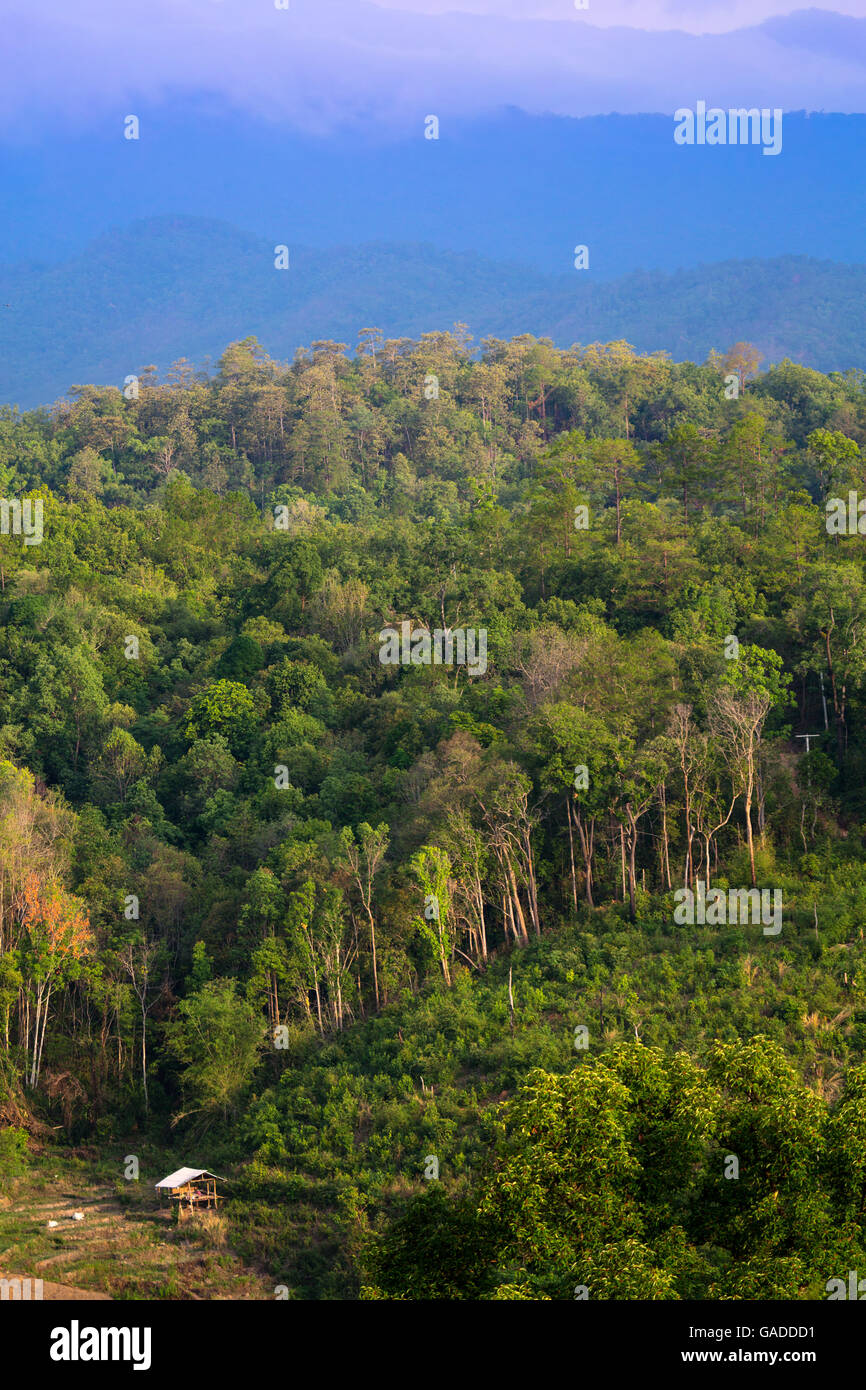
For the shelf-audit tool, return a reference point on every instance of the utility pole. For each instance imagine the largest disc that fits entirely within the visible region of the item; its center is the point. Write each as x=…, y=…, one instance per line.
x=823, y=701
x=807, y=737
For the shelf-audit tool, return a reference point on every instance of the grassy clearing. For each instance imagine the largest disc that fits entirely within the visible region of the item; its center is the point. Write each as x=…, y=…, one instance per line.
x=126, y=1245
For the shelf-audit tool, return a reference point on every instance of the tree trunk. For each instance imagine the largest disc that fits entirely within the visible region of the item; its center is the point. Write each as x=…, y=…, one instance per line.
x=375, y=962
x=571, y=853
x=632, y=850
x=748, y=802
x=586, y=847
x=515, y=896
x=666, y=863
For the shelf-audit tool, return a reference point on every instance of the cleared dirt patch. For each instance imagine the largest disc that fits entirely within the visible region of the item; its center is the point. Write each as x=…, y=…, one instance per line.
x=62, y=1293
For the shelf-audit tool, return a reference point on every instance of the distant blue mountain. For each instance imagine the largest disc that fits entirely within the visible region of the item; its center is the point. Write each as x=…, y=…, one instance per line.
x=165, y=288
x=513, y=187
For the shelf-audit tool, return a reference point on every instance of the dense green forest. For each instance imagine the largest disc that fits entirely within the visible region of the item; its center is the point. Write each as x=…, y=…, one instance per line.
x=397, y=943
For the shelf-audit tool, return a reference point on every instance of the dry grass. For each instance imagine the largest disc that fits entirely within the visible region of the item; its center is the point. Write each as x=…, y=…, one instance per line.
x=123, y=1250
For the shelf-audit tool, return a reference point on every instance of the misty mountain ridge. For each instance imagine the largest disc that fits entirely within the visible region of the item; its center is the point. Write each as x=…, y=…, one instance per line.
x=166, y=288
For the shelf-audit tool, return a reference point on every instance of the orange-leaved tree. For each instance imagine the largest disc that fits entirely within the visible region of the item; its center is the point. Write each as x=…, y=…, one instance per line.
x=57, y=939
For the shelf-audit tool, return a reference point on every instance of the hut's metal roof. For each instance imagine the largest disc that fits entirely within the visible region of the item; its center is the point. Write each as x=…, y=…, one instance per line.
x=185, y=1175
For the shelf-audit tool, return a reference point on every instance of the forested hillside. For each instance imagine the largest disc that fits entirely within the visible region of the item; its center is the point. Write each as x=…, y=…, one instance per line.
x=199, y=282
x=401, y=942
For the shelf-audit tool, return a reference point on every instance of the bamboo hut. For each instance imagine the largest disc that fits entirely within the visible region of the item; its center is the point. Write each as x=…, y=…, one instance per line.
x=192, y=1188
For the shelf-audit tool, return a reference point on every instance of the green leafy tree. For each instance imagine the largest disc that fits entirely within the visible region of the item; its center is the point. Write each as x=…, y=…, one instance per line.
x=226, y=708
x=217, y=1041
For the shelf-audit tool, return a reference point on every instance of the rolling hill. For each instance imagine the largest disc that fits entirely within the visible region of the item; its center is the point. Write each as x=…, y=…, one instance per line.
x=170, y=287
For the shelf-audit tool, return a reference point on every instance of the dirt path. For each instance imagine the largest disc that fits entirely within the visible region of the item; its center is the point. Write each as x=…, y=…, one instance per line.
x=51, y=1293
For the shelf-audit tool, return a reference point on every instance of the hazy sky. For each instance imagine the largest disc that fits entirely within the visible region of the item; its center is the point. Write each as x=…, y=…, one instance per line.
x=695, y=16
x=327, y=64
